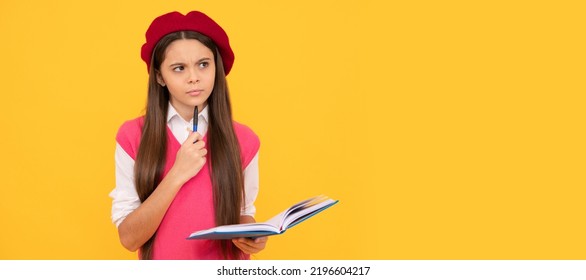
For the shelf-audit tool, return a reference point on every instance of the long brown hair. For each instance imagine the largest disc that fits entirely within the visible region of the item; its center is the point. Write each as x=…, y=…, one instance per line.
x=224, y=151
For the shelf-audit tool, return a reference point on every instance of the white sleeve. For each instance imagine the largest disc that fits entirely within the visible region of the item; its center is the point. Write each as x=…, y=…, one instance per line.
x=250, y=187
x=124, y=197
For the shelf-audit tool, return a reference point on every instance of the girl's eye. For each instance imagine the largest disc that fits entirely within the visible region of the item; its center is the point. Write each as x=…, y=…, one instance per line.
x=204, y=64
x=178, y=68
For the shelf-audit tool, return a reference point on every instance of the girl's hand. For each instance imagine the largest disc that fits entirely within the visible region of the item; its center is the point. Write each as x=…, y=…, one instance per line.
x=190, y=158
x=249, y=245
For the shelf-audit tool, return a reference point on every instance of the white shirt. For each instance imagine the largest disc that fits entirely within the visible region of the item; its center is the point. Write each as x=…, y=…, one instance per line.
x=124, y=196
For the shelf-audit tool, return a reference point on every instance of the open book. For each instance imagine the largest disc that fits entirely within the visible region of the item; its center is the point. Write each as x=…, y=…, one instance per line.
x=276, y=225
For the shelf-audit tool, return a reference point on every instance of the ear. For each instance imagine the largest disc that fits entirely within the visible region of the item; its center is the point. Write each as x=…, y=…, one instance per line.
x=160, y=79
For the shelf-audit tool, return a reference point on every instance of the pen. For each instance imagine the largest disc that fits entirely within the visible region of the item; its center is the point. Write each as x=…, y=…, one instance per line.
x=195, y=120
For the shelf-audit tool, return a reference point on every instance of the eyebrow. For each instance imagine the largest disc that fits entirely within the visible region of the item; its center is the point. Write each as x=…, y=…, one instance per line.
x=181, y=63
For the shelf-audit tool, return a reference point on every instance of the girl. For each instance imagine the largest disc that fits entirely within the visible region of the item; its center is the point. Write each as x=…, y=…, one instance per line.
x=170, y=180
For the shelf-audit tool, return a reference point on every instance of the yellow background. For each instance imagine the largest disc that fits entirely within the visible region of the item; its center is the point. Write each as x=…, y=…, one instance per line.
x=447, y=129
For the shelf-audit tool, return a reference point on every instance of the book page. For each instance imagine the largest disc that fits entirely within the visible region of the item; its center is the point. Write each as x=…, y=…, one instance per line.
x=278, y=220
x=276, y=225
x=237, y=230
x=305, y=212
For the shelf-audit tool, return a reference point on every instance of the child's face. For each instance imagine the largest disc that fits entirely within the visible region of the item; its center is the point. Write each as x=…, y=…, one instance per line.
x=189, y=72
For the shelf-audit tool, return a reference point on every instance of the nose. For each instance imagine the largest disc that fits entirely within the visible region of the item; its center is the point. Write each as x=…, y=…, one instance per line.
x=193, y=76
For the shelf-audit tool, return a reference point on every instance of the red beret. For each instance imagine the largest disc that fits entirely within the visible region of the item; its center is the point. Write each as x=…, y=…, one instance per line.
x=193, y=21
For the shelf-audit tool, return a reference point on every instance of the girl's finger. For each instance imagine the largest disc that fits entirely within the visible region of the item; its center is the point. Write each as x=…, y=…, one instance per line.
x=198, y=145
x=193, y=137
x=261, y=239
x=254, y=245
x=243, y=246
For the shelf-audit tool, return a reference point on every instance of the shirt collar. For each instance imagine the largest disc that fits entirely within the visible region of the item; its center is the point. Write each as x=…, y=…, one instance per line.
x=172, y=113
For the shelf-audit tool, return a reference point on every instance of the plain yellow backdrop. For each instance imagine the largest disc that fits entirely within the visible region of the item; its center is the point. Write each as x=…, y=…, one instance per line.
x=447, y=129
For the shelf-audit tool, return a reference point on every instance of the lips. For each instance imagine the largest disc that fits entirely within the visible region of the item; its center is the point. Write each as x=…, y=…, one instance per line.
x=195, y=92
